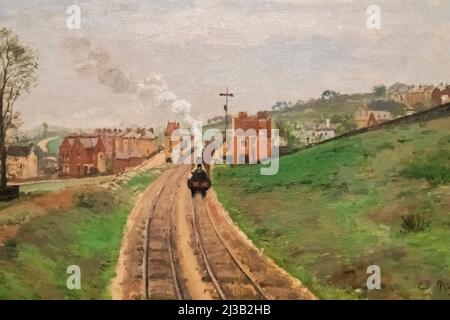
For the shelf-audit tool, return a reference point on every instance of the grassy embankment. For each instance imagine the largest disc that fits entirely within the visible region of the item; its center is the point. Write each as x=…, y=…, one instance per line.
x=53, y=145
x=380, y=198
x=79, y=225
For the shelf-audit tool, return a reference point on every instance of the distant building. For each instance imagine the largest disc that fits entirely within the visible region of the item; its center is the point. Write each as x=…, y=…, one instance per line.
x=413, y=95
x=146, y=142
x=169, y=144
x=441, y=95
x=410, y=111
x=22, y=163
x=65, y=154
x=125, y=160
x=82, y=156
x=106, y=151
x=260, y=121
x=48, y=166
x=312, y=133
x=367, y=118
x=325, y=131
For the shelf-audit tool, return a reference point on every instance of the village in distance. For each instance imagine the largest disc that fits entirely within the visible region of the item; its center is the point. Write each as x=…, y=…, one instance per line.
x=50, y=152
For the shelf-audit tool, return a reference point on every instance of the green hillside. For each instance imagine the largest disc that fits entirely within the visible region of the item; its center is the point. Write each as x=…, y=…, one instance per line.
x=382, y=198
x=53, y=145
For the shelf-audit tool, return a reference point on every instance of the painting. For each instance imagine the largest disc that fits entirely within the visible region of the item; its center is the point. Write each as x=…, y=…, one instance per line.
x=224, y=150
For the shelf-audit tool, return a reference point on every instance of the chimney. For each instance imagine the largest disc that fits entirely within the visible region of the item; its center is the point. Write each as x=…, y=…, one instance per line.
x=328, y=123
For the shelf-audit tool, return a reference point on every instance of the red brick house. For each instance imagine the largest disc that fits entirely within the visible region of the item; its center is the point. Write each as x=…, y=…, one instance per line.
x=86, y=156
x=125, y=160
x=258, y=122
x=65, y=153
x=168, y=143
x=106, y=151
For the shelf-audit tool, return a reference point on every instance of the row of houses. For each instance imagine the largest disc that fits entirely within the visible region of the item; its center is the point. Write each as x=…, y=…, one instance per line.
x=427, y=95
x=106, y=151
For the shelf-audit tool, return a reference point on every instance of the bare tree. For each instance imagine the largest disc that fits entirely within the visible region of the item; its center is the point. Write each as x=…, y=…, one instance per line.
x=17, y=76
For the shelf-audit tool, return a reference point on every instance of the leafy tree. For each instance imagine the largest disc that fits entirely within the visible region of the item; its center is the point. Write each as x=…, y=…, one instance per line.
x=379, y=91
x=18, y=65
x=343, y=123
x=329, y=94
x=392, y=106
x=281, y=105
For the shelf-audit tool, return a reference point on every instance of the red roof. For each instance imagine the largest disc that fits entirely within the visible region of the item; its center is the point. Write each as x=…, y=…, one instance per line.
x=89, y=142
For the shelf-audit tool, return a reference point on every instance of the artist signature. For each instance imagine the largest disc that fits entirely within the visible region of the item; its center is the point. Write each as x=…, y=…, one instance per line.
x=438, y=285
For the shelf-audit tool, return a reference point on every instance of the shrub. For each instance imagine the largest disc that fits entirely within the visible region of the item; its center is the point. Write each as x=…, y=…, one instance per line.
x=386, y=145
x=415, y=223
x=9, y=249
x=435, y=172
x=444, y=140
x=86, y=200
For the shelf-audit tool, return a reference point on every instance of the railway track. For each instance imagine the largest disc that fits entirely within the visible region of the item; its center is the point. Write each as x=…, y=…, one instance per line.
x=182, y=248
x=161, y=272
x=230, y=278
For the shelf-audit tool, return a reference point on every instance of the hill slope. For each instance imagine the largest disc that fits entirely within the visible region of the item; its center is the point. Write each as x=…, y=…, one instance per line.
x=335, y=209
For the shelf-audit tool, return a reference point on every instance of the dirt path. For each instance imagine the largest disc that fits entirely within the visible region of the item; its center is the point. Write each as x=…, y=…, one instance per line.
x=44, y=142
x=190, y=248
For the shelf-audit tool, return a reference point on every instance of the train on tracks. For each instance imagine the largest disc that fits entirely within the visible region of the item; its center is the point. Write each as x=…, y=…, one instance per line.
x=199, y=182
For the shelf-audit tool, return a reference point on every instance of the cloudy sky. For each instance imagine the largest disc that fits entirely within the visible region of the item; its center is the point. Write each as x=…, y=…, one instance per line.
x=145, y=61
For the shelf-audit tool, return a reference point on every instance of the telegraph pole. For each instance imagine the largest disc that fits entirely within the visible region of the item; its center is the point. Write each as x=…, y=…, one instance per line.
x=227, y=94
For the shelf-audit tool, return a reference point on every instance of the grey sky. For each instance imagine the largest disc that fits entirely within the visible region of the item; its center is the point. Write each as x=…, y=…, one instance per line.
x=133, y=59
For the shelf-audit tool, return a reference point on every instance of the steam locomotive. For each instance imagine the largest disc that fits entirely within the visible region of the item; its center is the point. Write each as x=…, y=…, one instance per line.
x=199, y=182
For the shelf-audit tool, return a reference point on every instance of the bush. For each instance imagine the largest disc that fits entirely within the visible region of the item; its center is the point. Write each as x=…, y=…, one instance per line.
x=386, y=146
x=392, y=106
x=415, y=223
x=9, y=249
x=435, y=172
x=444, y=140
x=86, y=200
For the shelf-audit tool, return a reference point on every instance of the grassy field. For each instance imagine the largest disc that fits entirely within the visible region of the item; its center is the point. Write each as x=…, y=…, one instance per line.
x=382, y=198
x=58, y=184
x=53, y=145
x=78, y=225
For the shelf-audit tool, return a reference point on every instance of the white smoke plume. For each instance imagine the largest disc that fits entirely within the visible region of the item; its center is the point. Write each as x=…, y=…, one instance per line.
x=93, y=62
